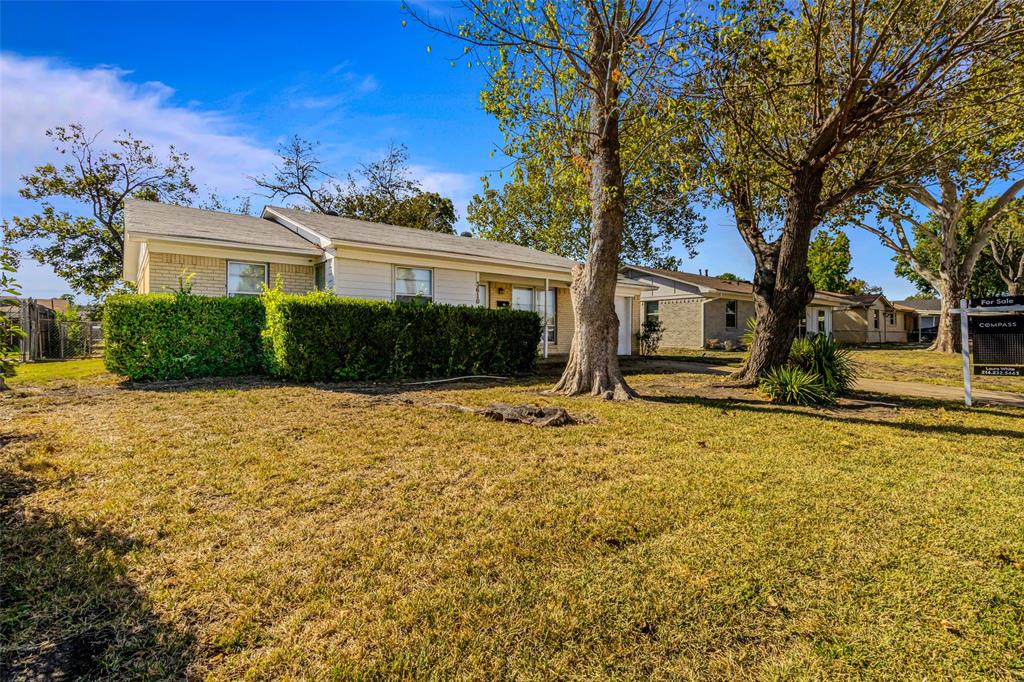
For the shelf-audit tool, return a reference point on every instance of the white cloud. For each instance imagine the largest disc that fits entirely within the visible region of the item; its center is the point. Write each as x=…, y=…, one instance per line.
x=459, y=187
x=40, y=93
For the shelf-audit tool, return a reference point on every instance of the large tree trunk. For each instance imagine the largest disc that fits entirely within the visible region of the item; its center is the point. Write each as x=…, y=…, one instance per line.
x=593, y=365
x=782, y=288
x=951, y=289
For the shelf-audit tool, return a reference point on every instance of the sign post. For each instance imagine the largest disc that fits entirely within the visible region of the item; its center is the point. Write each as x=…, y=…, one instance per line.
x=997, y=332
x=965, y=349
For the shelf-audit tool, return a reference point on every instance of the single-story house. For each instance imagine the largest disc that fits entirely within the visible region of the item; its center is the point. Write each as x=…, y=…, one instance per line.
x=233, y=255
x=698, y=311
x=926, y=311
x=872, y=318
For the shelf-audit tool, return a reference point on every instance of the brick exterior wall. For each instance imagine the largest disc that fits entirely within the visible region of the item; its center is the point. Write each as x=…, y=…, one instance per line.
x=296, y=279
x=714, y=321
x=162, y=271
x=680, y=318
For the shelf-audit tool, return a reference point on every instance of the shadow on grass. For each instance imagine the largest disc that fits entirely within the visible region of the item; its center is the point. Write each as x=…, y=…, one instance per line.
x=838, y=415
x=67, y=611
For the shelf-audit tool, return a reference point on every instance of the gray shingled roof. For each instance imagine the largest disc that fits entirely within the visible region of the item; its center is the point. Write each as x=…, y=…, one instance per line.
x=931, y=304
x=724, y=285
x=167, y=220
x=378, y=234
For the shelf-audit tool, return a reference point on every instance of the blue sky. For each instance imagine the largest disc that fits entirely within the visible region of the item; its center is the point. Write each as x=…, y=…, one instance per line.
x=227, y=82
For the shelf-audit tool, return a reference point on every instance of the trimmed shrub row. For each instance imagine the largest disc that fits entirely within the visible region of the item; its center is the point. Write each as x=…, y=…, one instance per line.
x=321, y=337
x=312, y=337
x=176, y=336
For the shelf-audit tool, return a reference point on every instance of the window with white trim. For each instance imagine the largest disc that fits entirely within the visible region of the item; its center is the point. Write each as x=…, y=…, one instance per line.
x=246, y=279
x=821, y=321
x=414, y=284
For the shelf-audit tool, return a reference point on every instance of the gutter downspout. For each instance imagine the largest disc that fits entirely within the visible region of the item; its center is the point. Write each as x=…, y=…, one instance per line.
x=546, y=288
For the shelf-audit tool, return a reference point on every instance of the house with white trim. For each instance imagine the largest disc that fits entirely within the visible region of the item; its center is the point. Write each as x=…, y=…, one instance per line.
x=236, y=255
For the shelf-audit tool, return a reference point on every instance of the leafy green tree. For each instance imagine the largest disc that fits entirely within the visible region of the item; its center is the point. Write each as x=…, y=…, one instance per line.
x=926, y=253
x=829, y=261
x=87, y=251
x=806, y=107
x=728, y=276
x=9, y=331
x=1006, y=249
x=572, y=84
x=545, y=205
x=381, y=191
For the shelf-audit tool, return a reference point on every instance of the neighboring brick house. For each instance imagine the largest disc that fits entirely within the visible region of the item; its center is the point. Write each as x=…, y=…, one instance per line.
x=229, y=254
x=698, y=311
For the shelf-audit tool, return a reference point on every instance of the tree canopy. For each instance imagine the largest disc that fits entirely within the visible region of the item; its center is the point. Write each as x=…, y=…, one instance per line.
x=87, y=250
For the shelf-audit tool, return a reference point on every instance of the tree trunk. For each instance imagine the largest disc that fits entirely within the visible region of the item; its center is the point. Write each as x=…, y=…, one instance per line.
x=782, y=288
x=593, y=365
x=951, y=290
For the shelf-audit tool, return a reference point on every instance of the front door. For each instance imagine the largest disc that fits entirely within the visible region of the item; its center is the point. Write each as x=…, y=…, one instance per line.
x=622, y=310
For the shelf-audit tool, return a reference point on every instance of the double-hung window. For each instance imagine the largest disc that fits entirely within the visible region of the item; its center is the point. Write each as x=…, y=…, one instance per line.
x=875, y=317
x=652, y=311
x=414, y=284
x=246, y=279
x=730, y=314
x=821, y=321
x=320, y=276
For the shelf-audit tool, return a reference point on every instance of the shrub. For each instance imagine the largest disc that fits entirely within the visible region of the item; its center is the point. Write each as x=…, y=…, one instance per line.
x=177, y=336
x=795, y=386
x=649, y=337
x=821, y=355
x=818, y=370
x=322, y=337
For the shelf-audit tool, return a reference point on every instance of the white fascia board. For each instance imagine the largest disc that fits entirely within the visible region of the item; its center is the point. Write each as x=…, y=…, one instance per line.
x=233, y=251
x=306, y=233
x=311, y=251
x=130, y=262
x=386, y=254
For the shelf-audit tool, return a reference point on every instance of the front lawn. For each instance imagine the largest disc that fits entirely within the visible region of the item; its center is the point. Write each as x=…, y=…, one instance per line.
x=926, y=367
x=266, y=531
x=50, y=371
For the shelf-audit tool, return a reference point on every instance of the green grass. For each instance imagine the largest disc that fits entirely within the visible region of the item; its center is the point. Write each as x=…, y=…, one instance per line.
x=251, y=529
x=42, y=373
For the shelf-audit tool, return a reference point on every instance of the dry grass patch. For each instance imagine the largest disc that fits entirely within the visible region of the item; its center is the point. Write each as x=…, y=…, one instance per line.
x=926, y=367
x=238, y=529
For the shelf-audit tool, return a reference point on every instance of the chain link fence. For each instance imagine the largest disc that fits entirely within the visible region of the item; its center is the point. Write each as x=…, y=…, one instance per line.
x=49, y=336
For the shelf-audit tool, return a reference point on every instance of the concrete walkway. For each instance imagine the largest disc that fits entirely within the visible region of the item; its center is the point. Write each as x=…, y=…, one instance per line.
x=934, y=392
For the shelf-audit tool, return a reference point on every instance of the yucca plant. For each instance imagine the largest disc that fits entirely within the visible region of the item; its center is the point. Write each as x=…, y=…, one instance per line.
x=827, y=358
x=795, y=386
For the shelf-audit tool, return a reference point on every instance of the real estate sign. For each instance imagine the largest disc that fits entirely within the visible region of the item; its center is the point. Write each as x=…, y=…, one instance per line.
x=997, y=344
x=992, y=330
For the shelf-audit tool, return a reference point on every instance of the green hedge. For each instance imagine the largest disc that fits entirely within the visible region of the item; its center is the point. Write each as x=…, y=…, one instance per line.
x=321, y=337
x=177, y=336
x=313, y=337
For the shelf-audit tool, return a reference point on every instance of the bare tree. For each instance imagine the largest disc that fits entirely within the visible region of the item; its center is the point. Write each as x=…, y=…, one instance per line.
x=300, y=174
